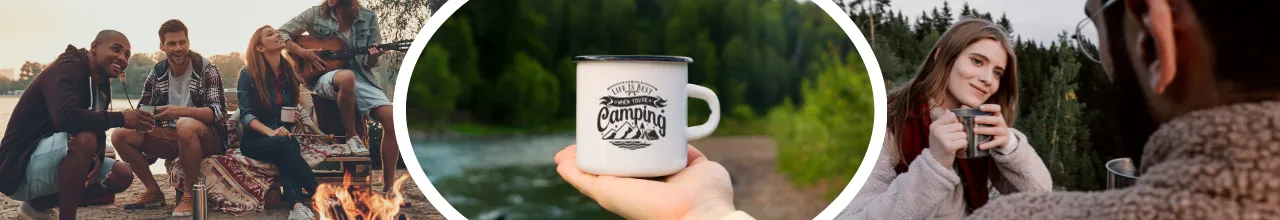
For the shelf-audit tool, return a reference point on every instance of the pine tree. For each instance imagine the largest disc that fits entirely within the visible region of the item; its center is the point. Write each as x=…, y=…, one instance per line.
x=1058, y=128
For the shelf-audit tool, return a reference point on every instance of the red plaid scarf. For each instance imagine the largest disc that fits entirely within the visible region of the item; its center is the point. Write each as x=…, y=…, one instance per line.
x=915, y=139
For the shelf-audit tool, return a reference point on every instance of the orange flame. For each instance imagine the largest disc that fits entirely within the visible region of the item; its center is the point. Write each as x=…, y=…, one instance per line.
x=352, y=202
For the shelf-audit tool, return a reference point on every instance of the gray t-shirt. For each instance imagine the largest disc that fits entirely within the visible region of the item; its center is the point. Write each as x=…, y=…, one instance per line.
x=179, y=87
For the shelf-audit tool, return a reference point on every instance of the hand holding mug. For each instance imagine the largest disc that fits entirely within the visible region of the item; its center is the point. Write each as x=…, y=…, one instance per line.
x=168, y=113
x=138, y=119
x=995, y=126
x=946, y=137
x=700, y=191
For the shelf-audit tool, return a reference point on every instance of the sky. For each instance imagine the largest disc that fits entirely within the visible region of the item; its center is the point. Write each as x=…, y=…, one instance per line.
x=1040, y=20
x=40, y=30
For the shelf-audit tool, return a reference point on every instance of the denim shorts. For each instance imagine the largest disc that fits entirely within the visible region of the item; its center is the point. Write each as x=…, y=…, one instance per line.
x=368, y=96
x=42, y=170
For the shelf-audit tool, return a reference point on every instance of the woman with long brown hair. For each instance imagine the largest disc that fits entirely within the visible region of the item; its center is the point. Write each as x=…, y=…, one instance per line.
x=266, y=84
x=917, y=174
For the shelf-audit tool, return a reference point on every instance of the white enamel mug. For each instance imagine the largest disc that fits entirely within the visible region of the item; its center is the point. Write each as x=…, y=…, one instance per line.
x=632, y=112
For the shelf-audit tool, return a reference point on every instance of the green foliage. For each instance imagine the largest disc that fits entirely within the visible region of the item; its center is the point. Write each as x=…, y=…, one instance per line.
x=444, y=95
x=229, y=66
x=140, y=65
x=1057, y=129
x=532, y=91
x=752, y=53
x=30, y=70
x=827, y=136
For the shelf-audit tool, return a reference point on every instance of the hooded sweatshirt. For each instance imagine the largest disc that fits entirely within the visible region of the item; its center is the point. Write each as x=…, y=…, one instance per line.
x=57, y=100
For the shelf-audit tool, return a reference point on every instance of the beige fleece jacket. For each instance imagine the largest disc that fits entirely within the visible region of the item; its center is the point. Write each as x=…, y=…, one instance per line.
x=928, y=190
x=1219, y=163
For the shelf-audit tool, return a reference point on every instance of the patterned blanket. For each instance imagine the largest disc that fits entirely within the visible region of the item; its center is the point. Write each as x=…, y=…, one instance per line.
x=238, y=184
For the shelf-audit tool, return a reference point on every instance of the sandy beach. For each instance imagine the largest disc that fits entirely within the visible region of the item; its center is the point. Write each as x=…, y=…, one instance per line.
x=9, y=208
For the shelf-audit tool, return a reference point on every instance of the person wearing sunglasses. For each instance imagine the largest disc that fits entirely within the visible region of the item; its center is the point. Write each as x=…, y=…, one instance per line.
x=1206, y=116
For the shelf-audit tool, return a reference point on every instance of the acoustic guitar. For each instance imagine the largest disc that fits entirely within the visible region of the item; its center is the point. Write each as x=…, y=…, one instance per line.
x=334, y=54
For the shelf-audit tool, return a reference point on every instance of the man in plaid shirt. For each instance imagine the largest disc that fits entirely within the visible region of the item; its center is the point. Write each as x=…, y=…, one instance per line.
x=190, y=113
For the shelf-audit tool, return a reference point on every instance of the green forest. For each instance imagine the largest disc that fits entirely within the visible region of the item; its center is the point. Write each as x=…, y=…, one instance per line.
x=780, y=68
x=1063, y=96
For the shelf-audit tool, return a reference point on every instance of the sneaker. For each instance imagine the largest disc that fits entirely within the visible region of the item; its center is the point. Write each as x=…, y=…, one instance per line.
x=148, y=199
x=27, y=212
x=184, y=207
x=301, y=212
x=357, y=147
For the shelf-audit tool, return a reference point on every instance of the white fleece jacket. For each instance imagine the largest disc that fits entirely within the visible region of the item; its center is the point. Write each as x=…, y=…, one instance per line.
x=928, y=190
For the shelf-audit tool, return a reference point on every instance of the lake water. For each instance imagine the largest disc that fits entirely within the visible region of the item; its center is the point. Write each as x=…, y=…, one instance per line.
x=505, y=178
x=8, y=102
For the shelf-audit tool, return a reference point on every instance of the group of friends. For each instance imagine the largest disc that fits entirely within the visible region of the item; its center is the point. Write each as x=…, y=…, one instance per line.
x=53, y=151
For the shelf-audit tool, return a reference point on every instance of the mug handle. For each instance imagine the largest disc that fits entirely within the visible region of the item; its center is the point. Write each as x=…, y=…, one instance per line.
x=701, y=131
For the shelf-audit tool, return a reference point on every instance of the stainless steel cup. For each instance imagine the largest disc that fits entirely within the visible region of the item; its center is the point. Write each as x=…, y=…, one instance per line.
x=148, y=109
x=201, y=209
x=1121, y=173
x=966, y=117
x=288, y=114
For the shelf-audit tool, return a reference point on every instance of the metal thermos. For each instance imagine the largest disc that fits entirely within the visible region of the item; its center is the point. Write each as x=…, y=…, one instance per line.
x=201, y=209
x=966, y=117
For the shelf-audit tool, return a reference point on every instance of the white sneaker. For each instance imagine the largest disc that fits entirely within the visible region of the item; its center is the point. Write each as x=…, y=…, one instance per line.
x=301, y=212
x=357, y=147
x=28, y=212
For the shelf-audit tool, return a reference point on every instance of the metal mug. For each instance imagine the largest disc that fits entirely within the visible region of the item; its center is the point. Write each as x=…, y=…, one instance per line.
x=966, y=117
x=1121, y=173
x=288, y=114
x=149, y=110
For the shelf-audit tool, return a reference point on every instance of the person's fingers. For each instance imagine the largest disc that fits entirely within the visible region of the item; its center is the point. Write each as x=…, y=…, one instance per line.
x=994, y=142
x=954, y=136
x=992, y=108
x=949, y=128
x=568, y=153
x=956, y=144
x=989, y=120
x=993, y=131
x=947, y=118
x=695, y=156
x=580, y=180
x=142, y=113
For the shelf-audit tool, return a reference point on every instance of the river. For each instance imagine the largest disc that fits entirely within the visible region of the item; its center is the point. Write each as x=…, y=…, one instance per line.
x=505, y=178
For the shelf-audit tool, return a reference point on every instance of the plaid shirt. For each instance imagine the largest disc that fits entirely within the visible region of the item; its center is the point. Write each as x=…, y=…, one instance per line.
x=206, y=91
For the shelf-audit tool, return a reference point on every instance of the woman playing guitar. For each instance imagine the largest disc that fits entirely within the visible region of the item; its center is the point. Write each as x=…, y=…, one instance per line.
x=345, y=25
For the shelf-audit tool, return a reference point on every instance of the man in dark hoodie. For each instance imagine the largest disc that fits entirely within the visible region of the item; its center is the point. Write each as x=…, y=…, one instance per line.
x=52, y=153
x=1202, y=73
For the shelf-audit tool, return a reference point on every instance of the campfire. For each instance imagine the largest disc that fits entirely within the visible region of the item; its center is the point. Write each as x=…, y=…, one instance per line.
x=357, y=201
